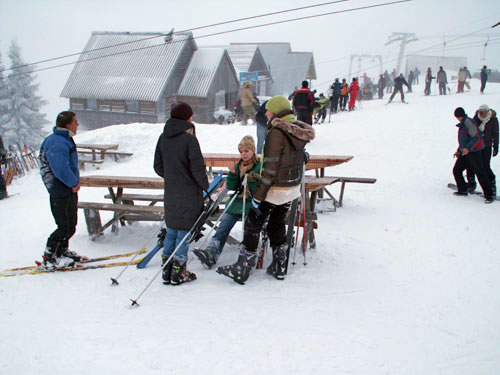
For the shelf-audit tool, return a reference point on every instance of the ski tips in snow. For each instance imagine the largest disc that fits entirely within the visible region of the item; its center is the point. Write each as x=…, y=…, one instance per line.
x=114, y=282
x=134, y=303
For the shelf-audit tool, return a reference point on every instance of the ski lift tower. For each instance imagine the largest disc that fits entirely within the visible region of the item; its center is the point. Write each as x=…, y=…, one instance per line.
x=404, y=38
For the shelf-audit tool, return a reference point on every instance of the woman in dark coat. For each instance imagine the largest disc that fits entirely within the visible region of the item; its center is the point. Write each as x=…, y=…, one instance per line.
x=178, y=159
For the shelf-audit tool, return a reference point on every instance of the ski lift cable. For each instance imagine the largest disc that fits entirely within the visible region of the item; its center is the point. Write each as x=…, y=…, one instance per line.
x=215, y=34
x=179, y=32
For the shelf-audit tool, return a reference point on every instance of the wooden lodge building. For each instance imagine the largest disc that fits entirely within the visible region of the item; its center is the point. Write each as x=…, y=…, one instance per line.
x=124, y=77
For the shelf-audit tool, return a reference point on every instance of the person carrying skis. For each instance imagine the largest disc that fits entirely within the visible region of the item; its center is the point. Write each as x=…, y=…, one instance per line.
x=487, y=121
x=249, y=165
x=353, y=93
x=303, y=102
x=468, y=155
x=344, y=94
x=61, y=176
x=398, y=87
x=3, y=160
x=278, y=185
x=178, y=159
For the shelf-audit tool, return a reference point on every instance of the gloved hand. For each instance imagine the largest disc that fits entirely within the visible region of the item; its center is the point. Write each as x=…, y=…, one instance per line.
x=253, y=177
x=255, y=207
x=495, y=152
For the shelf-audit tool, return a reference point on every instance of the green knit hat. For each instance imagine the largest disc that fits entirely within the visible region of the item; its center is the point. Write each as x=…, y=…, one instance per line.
x=278, y=104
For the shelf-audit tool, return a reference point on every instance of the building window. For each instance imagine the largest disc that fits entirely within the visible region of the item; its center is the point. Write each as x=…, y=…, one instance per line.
x=104, y=105
x=147, y=107
x=118, y=106
x=77, y=104
x=92, y=104
x=132, y=106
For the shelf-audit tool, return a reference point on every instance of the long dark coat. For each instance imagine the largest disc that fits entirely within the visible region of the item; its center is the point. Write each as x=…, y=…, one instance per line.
x=178, y=159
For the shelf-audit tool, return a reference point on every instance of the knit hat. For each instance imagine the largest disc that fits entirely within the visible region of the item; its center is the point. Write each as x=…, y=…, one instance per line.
x=181, y=111
x=459, y=112
x=278, y=104
x=484, y=108
x=247, y=142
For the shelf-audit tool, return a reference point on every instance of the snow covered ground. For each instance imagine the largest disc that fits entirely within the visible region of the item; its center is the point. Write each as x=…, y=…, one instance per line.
x=404, y=280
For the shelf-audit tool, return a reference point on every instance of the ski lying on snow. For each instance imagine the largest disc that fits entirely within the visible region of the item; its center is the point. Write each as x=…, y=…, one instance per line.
x=86, y=260
x=454, y=187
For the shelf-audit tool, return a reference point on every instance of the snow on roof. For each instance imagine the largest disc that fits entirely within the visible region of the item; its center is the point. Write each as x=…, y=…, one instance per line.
x=125, y=66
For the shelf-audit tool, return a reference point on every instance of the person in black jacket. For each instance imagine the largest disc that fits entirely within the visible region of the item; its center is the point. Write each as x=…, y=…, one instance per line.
x=303, y=102
x=261, y=120
x=398, y=87
x=334, y=99
x=178, y=159
x=487, y=121
x=484, y=77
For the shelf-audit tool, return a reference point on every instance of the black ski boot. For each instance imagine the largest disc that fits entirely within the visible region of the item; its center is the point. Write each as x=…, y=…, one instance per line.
x=240, y=271
x=73, y=255
x=206, y=258
x=167, y=270
x=180, y=274
x=277, y=268
x=471, y=186
x=494, y=187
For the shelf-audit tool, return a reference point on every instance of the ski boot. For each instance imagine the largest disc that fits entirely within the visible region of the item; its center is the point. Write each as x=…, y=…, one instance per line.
x=73, y=255
x=180, y=274
x=206, y=258
x=277, y=268
x=52, y=261
x=240, y=271
x=471, y=186
x=167, y=270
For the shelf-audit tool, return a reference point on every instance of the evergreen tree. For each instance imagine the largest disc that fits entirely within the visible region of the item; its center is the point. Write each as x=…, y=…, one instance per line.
x=4, y=94
x=24, y=123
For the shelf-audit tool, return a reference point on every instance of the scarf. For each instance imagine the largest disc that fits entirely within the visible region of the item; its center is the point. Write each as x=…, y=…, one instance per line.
x=484, y=120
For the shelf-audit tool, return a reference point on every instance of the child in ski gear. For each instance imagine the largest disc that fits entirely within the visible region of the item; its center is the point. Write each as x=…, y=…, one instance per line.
x=278, y=185
x=468, y=155
x=321, y=108
x=398, y=87
x=61, y=176
x=178, y=159
x=487, y=121
x=248, y=165
x=303, y=102
x=353, y=93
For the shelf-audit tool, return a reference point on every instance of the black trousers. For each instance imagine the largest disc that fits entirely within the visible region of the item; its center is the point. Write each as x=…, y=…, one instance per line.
x=65, y=212
x=334, y=103
x=396, y=90
x=474, y=161
x=3, y=187
x=442, y=88
x=483, y=85
x=486, y=156
x=305, y=116
x=427, y=90
x=343, y=101
x=275, y=226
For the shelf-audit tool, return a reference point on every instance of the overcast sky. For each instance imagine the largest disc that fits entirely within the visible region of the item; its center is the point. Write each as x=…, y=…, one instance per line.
x=52, y=28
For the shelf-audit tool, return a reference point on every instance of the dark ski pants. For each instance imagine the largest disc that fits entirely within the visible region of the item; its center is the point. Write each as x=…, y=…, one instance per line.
x=442, y=88
x=474, y=161
x=380, y=93
x=65, y=212
x=483, y=85
x=396, y=90
x=305, y=116
x=334, y=103
x=427, y=90
x=343, y=101
x=486, y=156
x=3, y=187
x=275, y=226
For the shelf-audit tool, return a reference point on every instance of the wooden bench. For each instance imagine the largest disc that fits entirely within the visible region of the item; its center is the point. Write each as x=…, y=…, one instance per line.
x=116, y=154
x=127, y=212
x=126, y=198
x=344, y=180
x=82, y=162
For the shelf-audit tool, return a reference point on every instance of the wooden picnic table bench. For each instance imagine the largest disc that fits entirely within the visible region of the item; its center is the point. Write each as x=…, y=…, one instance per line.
x=98, y=152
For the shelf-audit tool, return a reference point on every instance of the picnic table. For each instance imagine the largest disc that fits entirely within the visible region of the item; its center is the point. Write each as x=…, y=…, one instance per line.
x=98, y=153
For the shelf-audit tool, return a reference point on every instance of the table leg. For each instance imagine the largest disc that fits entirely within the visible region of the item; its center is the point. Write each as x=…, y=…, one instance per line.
x=117, y=199
x=310, y=206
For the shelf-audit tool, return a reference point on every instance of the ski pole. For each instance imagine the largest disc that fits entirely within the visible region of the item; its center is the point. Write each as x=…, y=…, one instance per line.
x=134, y=301
x=244, y=199
x=114, y=280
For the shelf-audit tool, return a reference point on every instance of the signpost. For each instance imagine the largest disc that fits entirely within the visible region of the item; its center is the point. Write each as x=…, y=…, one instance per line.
x=249, y=76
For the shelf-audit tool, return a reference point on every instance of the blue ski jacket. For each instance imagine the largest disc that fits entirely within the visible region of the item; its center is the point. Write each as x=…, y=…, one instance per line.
x=468, y=136
x=59, y=163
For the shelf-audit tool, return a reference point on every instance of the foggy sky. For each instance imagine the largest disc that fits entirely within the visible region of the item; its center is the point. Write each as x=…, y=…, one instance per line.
x=52, y=28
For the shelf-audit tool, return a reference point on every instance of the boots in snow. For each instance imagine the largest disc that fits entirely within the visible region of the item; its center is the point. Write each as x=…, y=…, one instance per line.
x=52, y=261
x=240, y=271
x=167, y=270
x=179, y=274
x=206, y=258
x=277, y=267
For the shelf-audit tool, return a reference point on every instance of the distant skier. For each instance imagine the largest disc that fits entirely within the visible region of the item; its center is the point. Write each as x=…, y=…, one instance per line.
x=344, y=94
x=353, y=93
x=303, y=102
x=442, y=81
x=398, y=87
x=411, y=78
x=428, y=82
x=381, y=86
x=334, y=99
x=484, y=77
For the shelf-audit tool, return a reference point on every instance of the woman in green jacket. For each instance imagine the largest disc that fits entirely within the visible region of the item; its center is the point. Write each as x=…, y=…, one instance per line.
x=249, y=165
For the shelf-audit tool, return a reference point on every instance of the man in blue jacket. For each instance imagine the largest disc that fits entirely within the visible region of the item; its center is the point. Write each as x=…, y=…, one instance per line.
x=470, y=143
x=60, y=174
